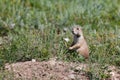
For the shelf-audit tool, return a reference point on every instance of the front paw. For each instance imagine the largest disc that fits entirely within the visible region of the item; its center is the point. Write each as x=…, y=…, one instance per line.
x=70, y=48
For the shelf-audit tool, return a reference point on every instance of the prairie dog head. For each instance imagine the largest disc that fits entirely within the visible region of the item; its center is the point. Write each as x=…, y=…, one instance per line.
x=77, y=31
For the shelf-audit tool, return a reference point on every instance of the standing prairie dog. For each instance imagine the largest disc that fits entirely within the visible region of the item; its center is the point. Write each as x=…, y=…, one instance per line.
x=79, y=43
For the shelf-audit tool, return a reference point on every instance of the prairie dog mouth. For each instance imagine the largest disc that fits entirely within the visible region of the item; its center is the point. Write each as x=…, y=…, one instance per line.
x=78, y=35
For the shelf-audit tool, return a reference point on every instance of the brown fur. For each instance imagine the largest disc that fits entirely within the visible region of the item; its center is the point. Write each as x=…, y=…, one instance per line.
x=79, y=43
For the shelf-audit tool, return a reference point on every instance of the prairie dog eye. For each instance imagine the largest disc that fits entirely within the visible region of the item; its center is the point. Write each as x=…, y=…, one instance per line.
x=77, y=28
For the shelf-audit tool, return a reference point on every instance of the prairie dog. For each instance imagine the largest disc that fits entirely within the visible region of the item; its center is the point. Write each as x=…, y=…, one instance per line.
x=79, y=43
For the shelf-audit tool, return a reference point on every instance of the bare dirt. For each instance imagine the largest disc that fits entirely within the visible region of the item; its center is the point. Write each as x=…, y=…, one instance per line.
x=52, y=70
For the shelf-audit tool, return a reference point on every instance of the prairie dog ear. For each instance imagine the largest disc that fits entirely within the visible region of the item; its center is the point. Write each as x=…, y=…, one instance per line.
x=80, y=27
x=76, y=26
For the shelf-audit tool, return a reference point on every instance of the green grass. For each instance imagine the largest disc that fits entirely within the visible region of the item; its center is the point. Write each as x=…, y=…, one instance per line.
x=38, y=31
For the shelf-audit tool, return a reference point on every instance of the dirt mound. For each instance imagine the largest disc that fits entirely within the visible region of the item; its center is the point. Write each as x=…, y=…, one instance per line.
x=48, y=70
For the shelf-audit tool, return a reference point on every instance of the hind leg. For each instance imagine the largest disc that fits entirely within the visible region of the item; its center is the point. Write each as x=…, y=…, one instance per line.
x=83, y=52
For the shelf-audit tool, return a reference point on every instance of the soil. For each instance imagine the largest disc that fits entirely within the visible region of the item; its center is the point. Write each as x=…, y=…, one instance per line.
x=52, y=70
